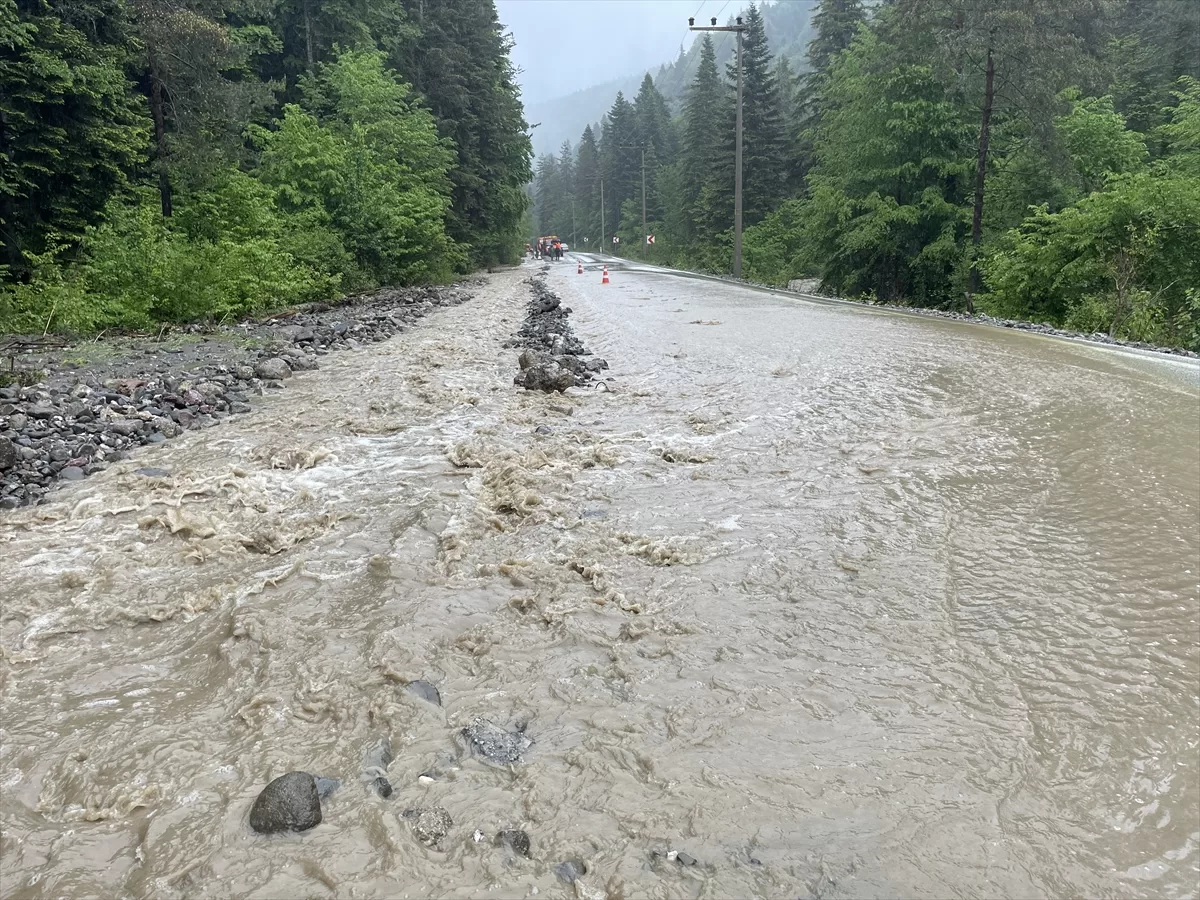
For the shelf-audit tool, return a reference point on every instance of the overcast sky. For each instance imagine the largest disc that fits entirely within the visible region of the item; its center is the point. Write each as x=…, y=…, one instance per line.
x=564, y=45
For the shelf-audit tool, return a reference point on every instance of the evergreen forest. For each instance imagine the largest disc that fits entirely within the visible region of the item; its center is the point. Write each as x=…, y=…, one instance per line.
x=185, y=160
x=1030, y=159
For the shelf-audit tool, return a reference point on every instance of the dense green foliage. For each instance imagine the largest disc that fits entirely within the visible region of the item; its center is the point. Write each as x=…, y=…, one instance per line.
x=164, y=161
x=1030, y=159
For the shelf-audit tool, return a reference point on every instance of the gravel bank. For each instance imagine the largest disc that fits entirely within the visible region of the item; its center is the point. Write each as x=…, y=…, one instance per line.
x=67, y=412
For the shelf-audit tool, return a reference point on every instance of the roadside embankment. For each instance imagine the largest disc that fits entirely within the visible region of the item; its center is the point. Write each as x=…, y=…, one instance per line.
x=67, y=412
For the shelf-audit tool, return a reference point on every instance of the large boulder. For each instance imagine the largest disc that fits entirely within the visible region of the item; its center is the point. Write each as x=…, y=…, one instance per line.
x=274, y=369
x=289, y=803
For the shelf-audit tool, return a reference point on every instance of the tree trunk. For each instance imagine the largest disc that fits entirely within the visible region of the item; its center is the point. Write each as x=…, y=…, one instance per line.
x=980, y=174
x=160, y=138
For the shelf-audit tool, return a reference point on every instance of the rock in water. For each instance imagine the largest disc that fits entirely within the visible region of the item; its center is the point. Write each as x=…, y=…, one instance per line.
x=376, y=759
x=272, y=369
x=425, y=690
x=429, y=823
x=570, y=870
x=495, y=744
x=289, y=803
x=378, y=754
x=515, y=839
x=382, y=786
x=326, y=787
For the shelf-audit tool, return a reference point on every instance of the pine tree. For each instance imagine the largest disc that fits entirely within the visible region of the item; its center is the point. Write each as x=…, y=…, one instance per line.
x=70, y=129
x=835, y=23
x=702, y=126
x=656, y=133
x=763, y=139
x=587, y=187
x=463, y=71
x=620, y=160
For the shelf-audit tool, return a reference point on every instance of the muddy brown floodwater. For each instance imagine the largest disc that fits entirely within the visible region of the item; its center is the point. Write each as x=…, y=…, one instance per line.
x=838, y=603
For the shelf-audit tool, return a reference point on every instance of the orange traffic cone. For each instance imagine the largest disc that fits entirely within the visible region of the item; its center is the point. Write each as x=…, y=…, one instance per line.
x=581, y=267
x=604, y=280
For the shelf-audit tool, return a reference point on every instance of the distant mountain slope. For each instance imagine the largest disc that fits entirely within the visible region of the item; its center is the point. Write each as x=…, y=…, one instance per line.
x=789, y=30
x=564, y=118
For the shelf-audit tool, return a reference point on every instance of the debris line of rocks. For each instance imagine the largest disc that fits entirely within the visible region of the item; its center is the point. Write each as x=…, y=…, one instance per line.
x=553, y=358
x=80, y=416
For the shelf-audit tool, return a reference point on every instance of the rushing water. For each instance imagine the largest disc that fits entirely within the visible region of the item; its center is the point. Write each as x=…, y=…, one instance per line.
x=840, y=603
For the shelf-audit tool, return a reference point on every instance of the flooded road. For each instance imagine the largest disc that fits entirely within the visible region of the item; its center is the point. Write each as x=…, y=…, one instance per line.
x=841, y=603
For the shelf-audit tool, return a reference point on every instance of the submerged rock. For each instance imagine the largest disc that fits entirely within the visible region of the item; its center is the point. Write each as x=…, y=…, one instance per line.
x=376, y=759
x=326, y=787
x=570, y=870
x=289, y=803
x=515, y=839
x=425, y=690
x=496, y=744
x=429, y=823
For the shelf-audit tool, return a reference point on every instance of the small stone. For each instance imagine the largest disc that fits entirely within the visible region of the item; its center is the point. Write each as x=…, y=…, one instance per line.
x=152, y=472
x=570, y=870
x=273, y=369
x=289, y=803
x=125, y=427
x=17, y=421
x=425, y=691
x=515, y=839
x=155, y=437
x=543, y=429
x=42, y=412
x=382, y=786
x=71, y=473
x=429, y=823
x=8, y=453
x=239, y=406
x=495, y=744
x=685, y=858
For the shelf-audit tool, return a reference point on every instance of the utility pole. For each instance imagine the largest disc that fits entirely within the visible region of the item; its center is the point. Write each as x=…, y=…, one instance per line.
x=641, y=147
x=737, y=28
x=574, y=242
x=602, y=215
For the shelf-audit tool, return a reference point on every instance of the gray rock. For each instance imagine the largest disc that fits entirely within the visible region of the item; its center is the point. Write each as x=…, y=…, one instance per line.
x=295, y=333
x=570, y=870
x=245, y=373
x=528, y=359
x=125, y=427
x=71, y=473
x=326, y=787
x=382, y=786
x=239, y=406
x=272, y=369
x=303, y=363
x=8, y=453
x=429, y=823
x=685, y=858
x=289, y=803
x=155, y=437
x=515, y=839
x=42, y=412
x=378, y=755
x=153, y=472
x=17, y=421
x=495, y=744
x=425, y=690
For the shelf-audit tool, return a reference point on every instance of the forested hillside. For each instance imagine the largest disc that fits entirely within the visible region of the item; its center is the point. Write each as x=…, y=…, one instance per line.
x=183, y=159
x=1026, y=158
